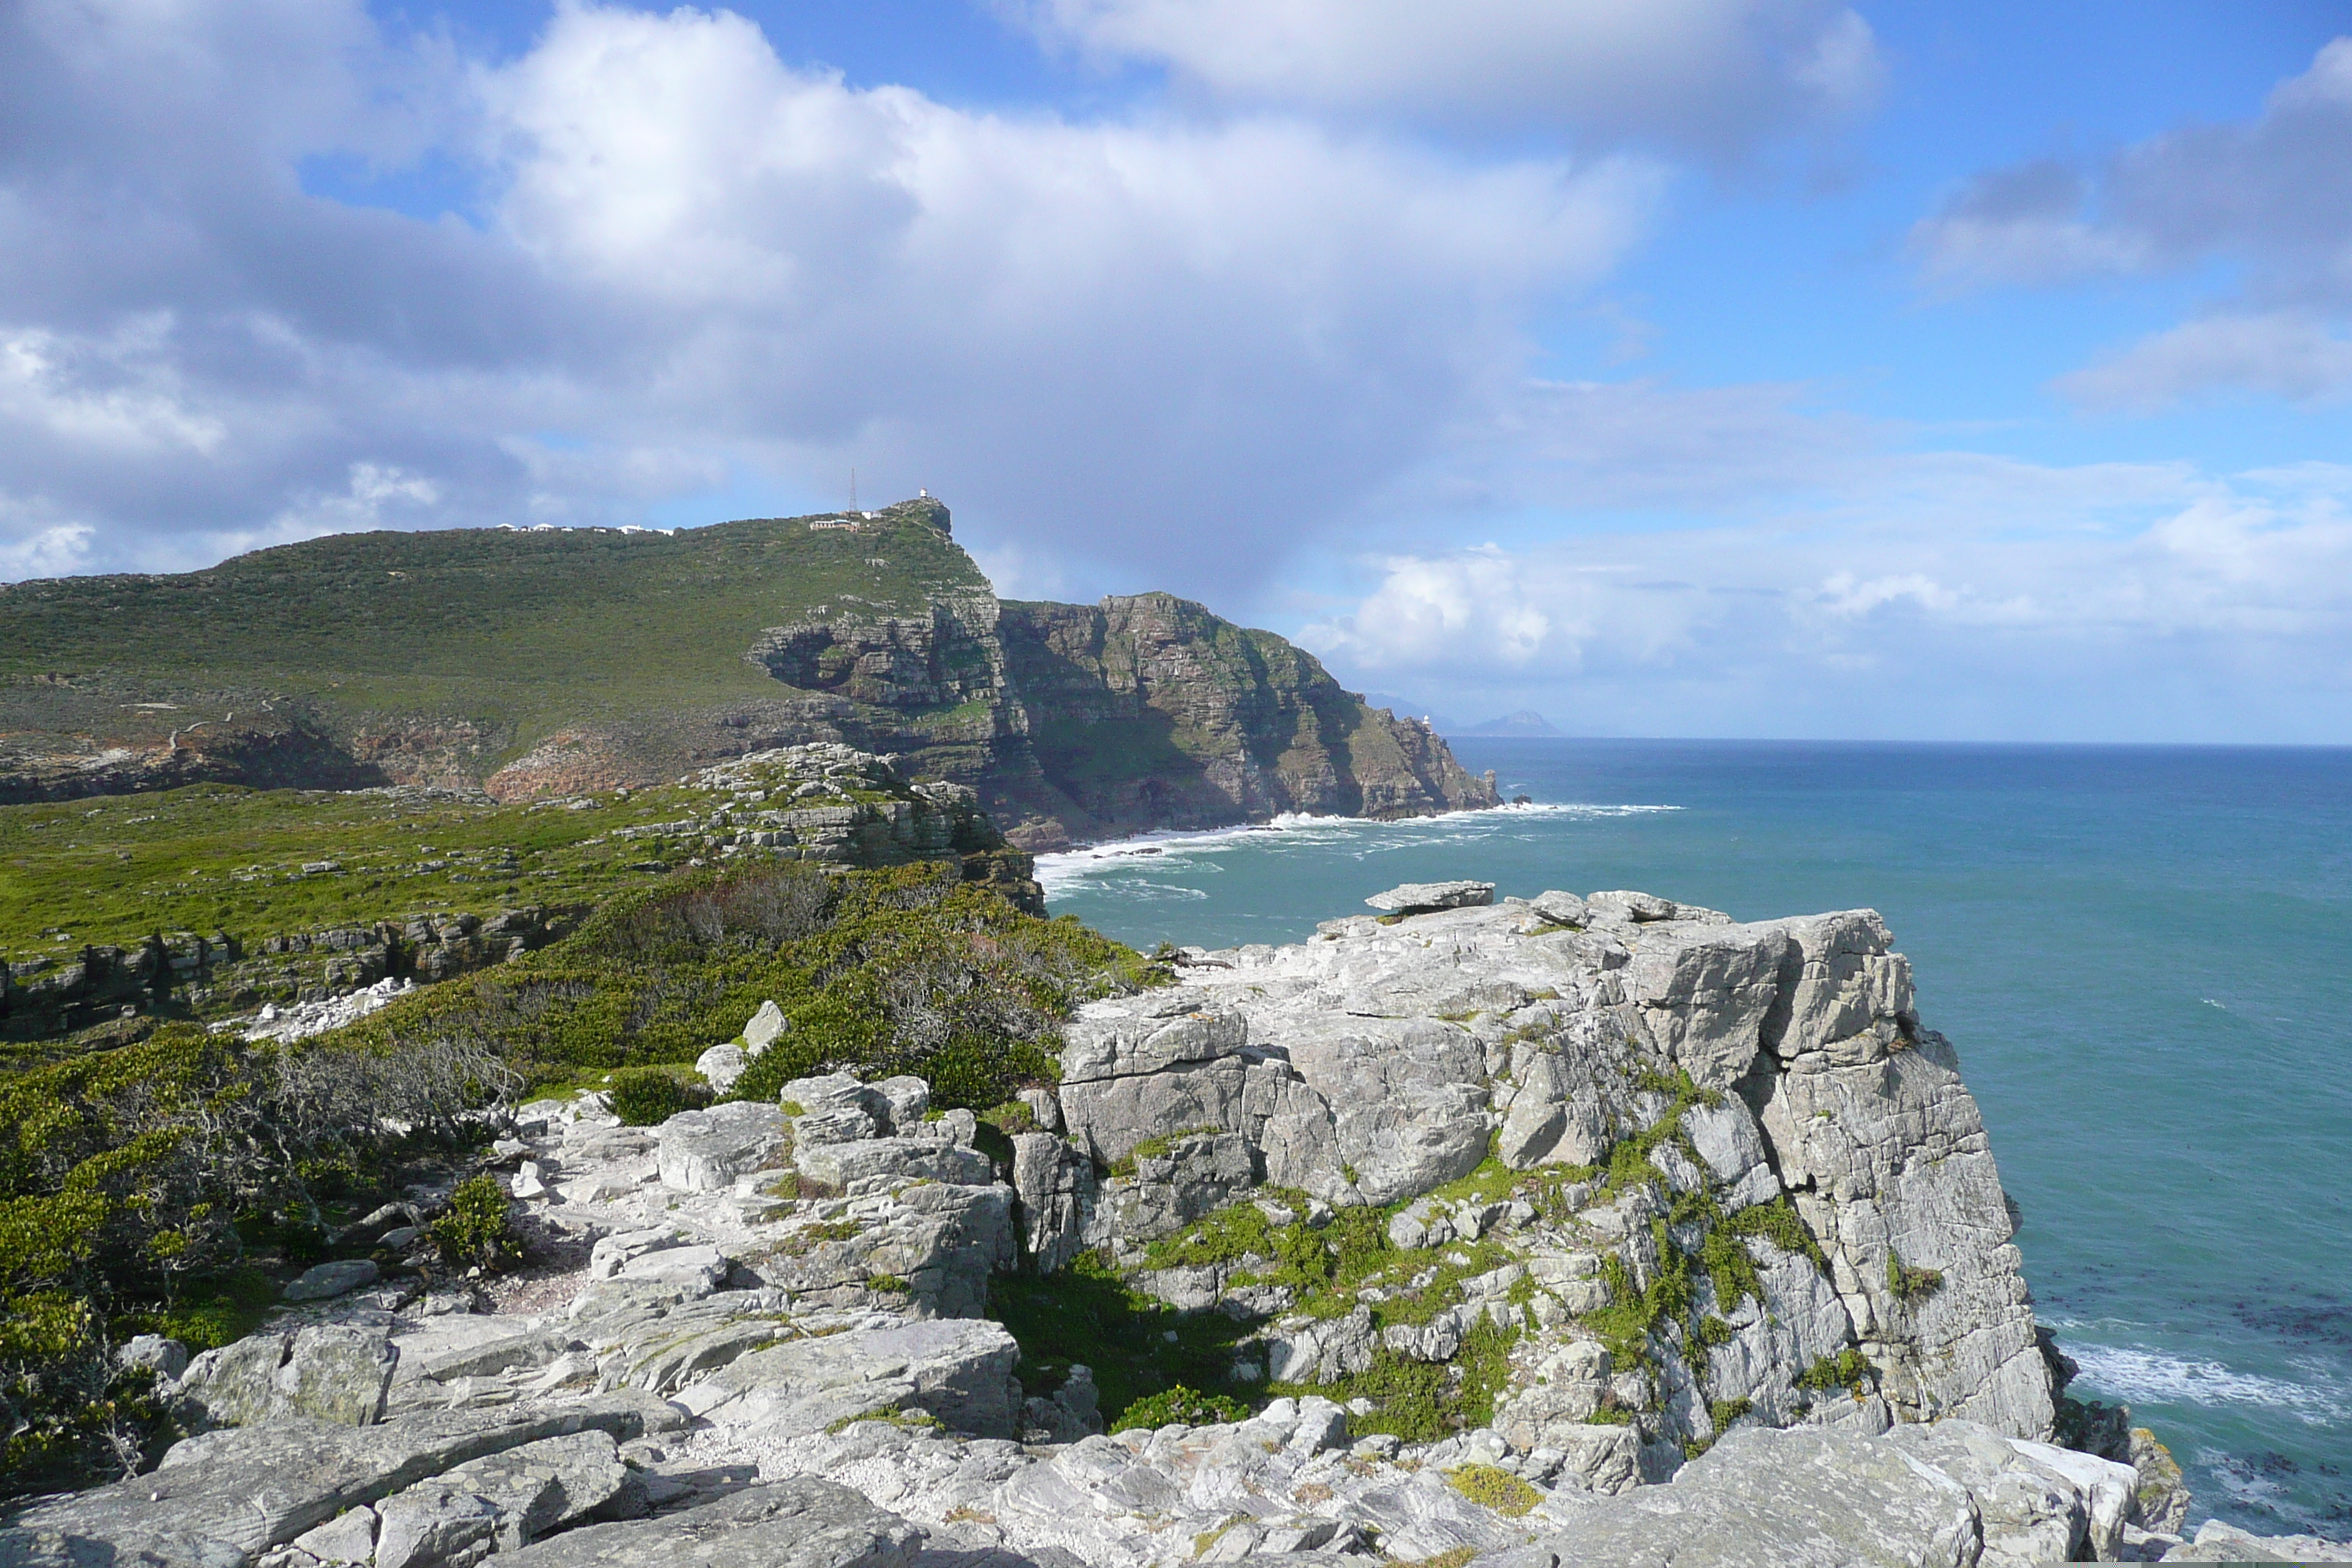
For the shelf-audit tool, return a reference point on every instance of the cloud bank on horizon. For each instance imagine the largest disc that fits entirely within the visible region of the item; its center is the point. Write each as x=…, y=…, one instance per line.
x=1482, y=349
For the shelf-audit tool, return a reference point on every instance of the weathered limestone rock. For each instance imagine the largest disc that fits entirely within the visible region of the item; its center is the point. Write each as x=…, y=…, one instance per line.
x=1055, y=1186
x=721, y=1066
x=1173, y=1185
x=347, y=1538
x=959, y=1372
x=1804, y=1497
x=2218, y=1543
x=1560, y=909
x=1419, y=898
x=501, y=1501
x=869, y=1163
x=166, y=1357
x=705, y=1151
x=327, y=1372
x=218, y=1498
x=328, y=1279
x=764, y=1027
x=793, y=1523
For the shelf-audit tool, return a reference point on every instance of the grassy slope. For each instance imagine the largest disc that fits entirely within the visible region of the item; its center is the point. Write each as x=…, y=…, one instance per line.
x=116, y=868
x=523, y=630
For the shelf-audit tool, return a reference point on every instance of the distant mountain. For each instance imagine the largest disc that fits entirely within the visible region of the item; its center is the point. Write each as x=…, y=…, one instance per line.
x=532, y=664
x=1525, y=723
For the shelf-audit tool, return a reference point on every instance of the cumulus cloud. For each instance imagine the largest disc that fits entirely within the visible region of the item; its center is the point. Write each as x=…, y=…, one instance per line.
x=1713, y=76
x=681, y=260
x=2220, y=608
x=2273, y=194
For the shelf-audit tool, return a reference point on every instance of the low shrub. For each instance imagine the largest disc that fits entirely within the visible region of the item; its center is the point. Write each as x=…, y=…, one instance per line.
x=477, y=1231
x=1179, y=1405
x=647, y=1096
x=1491, y=1486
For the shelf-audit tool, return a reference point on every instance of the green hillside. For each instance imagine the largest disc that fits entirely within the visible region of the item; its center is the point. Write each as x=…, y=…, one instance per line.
x=521, y=630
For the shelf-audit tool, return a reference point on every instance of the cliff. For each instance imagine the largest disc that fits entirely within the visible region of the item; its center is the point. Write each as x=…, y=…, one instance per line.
x=541, y=663
x=1579, y=1230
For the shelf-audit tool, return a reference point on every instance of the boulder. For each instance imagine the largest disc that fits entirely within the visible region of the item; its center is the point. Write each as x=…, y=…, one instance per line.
x=328, y=1279
x=503, y=1501
x=866, y=1163
x=1421, y=897
x=1560, y=909
x=329, y=1373
x=348, y=1538
x=705, y=1151
x=1054, y=1184
x=763, y=1028
x=721, y=1066
x=798, y=1522
x=167, y=1359
x=2218, y=1543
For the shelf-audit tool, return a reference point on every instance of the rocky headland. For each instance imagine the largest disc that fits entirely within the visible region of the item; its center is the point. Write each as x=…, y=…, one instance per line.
x=538, y=664
x=1585, y=1229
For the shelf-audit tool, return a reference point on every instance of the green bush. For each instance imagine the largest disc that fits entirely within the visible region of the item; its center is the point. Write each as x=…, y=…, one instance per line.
x=647, y=1096
x=1908, y=1284
x=909, y=970
x=1179, y=1405
x=477, y=1231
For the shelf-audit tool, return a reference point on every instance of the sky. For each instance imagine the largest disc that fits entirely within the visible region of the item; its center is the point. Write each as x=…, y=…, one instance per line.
x=1679, y=367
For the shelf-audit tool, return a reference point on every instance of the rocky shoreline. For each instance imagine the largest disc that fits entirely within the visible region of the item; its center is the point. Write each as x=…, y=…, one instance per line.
x=1565, y=1231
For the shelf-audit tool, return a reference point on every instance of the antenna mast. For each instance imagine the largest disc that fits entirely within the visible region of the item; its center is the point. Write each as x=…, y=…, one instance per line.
x=853, y=489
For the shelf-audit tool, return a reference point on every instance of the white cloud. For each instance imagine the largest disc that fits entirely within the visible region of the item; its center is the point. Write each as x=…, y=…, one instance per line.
x=1714, y=75
x=2210, y=608
x=2273, y=194
x=51, y=552
x=2285, y=354
x=1131, y=341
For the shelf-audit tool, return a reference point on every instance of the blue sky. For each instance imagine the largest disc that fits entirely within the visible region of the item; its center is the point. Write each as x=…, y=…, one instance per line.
x=1717, y=367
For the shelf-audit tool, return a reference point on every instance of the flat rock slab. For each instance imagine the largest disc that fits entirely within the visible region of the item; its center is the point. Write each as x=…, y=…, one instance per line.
x=705, y=1151
x=331, y=1280
x=1806, y=1497
x=957, y=1370
x=1419, y=898
x=219, y=1498
x=794, y=1523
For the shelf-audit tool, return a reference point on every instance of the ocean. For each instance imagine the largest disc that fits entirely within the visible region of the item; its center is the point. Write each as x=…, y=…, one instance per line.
x=2143, y=956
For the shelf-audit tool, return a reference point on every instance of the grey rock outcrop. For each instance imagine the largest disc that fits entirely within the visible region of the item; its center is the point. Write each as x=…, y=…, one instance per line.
x=705, y=1151
x=326, y=1373
x=1383, y=1060
x=1420, y=898
x=794, y=1523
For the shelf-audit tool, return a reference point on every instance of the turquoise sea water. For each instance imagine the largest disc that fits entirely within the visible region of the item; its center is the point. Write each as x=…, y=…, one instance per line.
x=2144, y=956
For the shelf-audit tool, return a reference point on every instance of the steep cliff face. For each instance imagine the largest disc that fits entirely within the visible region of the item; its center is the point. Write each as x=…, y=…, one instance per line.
x=532, y=664
x=1148, y=711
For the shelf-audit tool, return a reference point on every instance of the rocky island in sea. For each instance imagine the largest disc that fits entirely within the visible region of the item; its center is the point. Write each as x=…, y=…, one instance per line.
x=1582, y=1230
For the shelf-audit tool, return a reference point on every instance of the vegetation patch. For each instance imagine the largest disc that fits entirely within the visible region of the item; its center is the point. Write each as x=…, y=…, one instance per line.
x=477, y=1231
x=1137, y=1345
x=1179, y=1405
x=1849, y=1370
x=1910, y=1285
x=1491, y=1486
x=906, y=970
x=647, y=1096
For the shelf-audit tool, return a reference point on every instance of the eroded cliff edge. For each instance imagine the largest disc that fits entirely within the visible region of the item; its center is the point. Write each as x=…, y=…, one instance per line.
x=1566, y=1231
x=534, y=664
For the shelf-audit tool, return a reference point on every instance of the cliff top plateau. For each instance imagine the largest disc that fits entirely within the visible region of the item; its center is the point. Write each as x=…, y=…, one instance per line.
x=531, y=663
